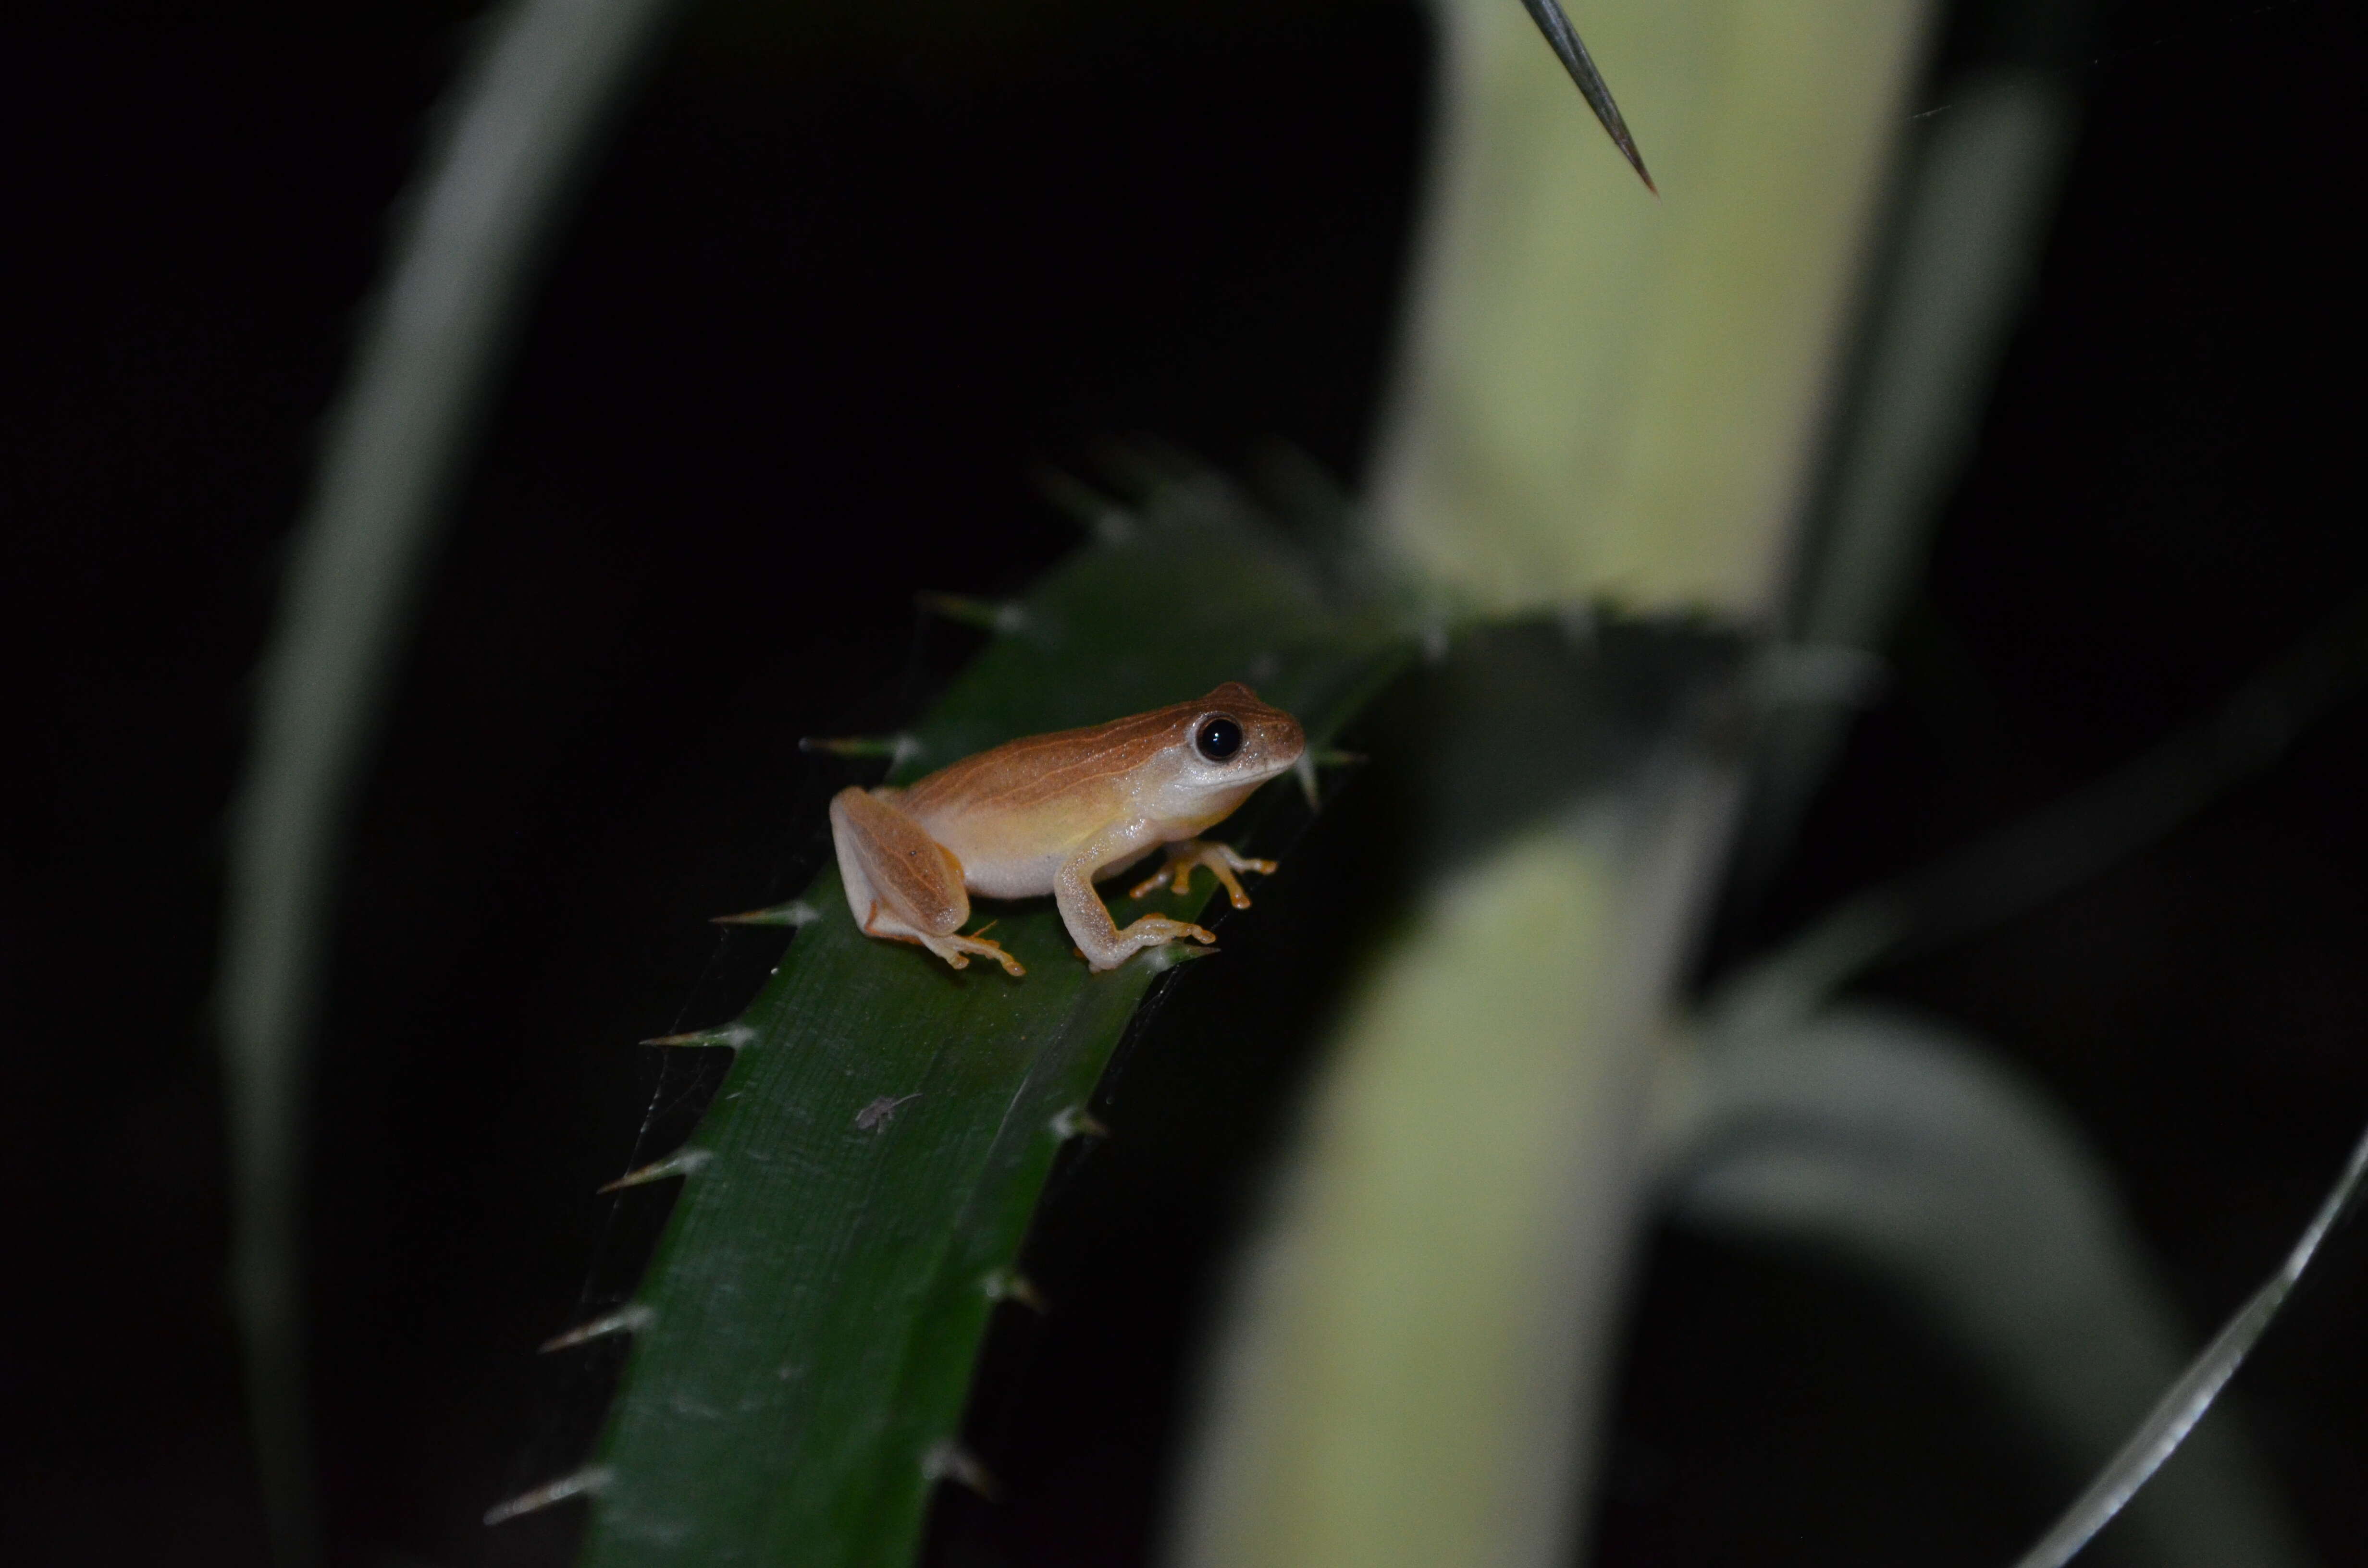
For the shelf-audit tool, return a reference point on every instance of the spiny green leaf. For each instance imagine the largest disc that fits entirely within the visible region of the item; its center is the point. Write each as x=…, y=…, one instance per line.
x=805, y=1337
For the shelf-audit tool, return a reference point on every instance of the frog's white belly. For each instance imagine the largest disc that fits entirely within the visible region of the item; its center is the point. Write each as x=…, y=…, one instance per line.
x=990, y=868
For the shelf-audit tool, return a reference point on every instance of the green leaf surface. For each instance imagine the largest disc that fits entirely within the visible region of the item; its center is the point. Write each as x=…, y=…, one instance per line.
x=864, y=1179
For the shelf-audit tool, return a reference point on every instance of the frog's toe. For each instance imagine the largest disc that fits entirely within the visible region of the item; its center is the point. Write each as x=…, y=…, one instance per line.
x=1156, y=929
x=1221, y=860
x=987, y=950
x=957, y=951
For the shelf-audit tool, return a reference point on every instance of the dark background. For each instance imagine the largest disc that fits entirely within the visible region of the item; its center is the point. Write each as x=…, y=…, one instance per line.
x=830, y=297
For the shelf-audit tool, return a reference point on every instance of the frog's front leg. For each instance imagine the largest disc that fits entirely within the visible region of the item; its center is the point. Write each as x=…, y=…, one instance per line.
x=1088, y=919
x=1221, y=859
x=901, y=883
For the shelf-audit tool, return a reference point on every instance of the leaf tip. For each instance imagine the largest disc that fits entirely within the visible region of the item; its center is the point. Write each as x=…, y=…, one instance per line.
x=1568, y=48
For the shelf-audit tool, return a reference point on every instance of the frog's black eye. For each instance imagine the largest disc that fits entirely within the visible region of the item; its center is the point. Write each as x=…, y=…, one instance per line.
x=1219, y=739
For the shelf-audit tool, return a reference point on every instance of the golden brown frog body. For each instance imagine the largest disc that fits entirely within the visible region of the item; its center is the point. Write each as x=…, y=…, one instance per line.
x=1056, y=814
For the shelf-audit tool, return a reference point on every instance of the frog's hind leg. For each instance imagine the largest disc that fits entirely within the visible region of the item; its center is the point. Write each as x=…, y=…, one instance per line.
x=1221, y=859
x=901, y=883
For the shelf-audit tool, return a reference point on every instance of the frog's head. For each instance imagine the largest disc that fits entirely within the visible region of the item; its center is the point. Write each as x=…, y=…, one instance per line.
x=1224, y=746
x=1237, y=739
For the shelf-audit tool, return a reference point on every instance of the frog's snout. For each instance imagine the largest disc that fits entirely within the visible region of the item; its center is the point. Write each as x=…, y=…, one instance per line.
x=1280, y=740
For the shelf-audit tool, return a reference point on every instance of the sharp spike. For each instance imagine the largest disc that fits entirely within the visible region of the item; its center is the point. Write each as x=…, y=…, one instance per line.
x=1550, y=21
x=1010, y=1285
x=682, y=1162
x=625, y=1319
x=1074, y=1121
x=952, y=1461
x=1167, y=956
x=584, y=1483
x=797, y=912
x=734, y=1035
x=1111, y=522
x=1001, y=616
x=898, y=749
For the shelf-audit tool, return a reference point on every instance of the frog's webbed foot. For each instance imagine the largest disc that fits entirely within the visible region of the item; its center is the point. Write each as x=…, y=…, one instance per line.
x=1088, y=918
x=951, y=949
x=1220, y=859
x=1150, y=931
x=955, y=951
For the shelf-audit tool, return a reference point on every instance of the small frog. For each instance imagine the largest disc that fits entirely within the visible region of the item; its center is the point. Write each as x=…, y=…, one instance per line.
x=1057, y=813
